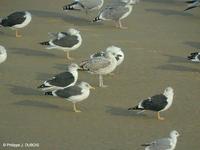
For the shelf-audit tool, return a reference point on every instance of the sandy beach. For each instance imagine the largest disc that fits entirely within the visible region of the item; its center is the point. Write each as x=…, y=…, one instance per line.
x=156, y=44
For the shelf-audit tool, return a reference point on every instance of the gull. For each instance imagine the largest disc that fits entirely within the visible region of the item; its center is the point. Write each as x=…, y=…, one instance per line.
x=3, y=54
x=116, y=12
x=102, y=65
x=157, y=103
x=16, y=20
x=62, y=80
x=194, y=57
x=73, y=94
x=87, y=5
x=192, y=4
x=66, y=41
x=168, y=143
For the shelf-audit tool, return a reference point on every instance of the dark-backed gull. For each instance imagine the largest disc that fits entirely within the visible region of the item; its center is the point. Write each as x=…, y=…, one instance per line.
x=66, y=41
x=157, y=103
x=102, y=65
x=194, y=57
x=168, y=143
x=73, y=94
x=3, y=54
x=16, y=20
x=62, y=80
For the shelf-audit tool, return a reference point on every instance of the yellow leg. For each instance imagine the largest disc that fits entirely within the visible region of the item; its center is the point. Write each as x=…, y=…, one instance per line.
x=74, y=107
x=67, y=56
x=17, y=34
x=160, y=118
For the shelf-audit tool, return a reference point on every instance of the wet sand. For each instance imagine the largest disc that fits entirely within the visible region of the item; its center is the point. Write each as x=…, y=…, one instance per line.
x=158, y=39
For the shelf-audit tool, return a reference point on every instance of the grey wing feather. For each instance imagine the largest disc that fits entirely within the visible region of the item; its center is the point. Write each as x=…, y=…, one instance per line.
x=96, y=63
x=66, y=41
x=68, y=92
x=90, y=4
x=114, y=13
x=160, y=144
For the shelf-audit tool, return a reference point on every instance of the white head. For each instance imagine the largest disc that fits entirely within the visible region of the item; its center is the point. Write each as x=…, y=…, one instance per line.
x=130, y=2
x=85, y=85
x=73, y=66
x=2, y=49
x=73, y=31
x=117, y=53
x=169, y=92
x=174, y=134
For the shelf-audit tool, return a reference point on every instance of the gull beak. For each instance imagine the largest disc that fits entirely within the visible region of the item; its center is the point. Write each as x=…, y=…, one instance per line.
x=92, y=88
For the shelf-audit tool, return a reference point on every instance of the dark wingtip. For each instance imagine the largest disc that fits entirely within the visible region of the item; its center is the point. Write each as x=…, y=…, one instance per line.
x=48, y=93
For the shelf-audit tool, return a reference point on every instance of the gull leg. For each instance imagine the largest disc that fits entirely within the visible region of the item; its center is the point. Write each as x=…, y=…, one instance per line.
x=120, y=25
x=67, y=56
x=101, y=81
x=74, y=107
x=160, y=118
x=17, y=34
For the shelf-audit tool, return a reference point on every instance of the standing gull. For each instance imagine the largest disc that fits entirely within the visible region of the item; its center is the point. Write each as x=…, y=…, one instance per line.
x=3, y=54
x=116, y=51
x=164, y=143
x=157, y=103
x=16, y=21
x=194, y=57
x=101, y=65
x=192, y=4
x=87, y=5
x=66, y=41
x=62, y=80
x=73, y=94
x=116, y=12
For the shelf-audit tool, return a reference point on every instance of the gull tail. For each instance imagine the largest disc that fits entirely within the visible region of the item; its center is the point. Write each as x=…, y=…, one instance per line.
x=72, y=6
x=42, y=86
x=45, y=43
x=49, y=93
x=190, y=8
x=192, y=55
x=97, y=19
x=82, y=66
x=135, y=108
x=147, y=144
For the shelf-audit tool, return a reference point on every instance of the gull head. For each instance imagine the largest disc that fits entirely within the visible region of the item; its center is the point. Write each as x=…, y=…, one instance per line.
x=73, y=66
x=86, y=85
x=174, y=134
x=169, y=92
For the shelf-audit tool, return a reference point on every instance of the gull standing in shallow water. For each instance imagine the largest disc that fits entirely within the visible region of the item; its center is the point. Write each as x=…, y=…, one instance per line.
x=116, y=11
x=62, y=80
x=16, y=20
x=3, y=54
x=101, y=65
x=73, y=94
x=164, y=143
x=87, y=5
x=157, y=103
x=66, y=41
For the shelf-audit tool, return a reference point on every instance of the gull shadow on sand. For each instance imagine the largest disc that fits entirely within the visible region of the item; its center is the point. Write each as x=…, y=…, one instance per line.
x=63, y=16
x=119, y=111
x=179, y=68
x=176, y=59
x=168, y=12
x=32, y=103
x=21, y=90
x=43, y=76
x=193, y=44
x=31, y=52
